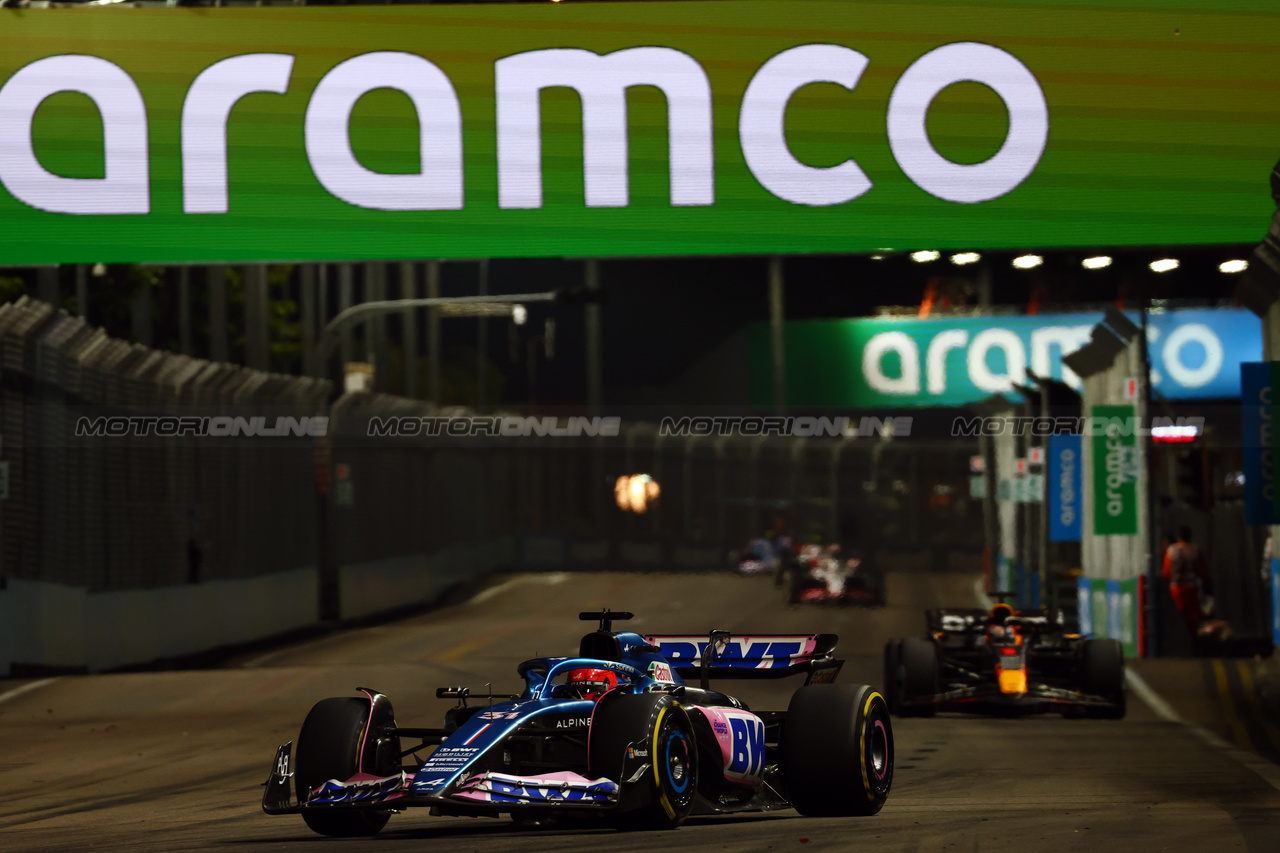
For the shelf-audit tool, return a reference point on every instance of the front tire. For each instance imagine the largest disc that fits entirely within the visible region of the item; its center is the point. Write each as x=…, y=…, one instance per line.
x=1102, y=674
x=663, y=797
x=339, y=738
x=837, y=750
x=920, y=677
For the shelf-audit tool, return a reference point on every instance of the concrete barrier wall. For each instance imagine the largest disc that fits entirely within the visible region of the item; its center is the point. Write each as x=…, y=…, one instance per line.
x=57, y=626
x=41, y=623
x=381, y=585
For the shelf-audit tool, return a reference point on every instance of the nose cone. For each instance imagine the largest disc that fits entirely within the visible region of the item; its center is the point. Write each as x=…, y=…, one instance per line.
x=1012, y=680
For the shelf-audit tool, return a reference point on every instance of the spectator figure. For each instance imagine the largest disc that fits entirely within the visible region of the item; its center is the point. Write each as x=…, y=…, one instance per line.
x=1267, y=553
x=1188, y=576
x=780, y=537
x=195, y=557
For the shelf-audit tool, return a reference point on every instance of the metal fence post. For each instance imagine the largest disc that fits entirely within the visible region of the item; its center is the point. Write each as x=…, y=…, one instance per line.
x=434, y=349
x=257, y=348
x=346, y=295
x=409, y=324
x=216, y=282
x=184, y=308
x=307, y=296
x=595, y=353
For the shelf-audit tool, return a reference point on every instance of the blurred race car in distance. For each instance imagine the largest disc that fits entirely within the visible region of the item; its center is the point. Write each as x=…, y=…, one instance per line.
x=819, y=575
x=763, y=556
x=614, y=734
x=1003, y=660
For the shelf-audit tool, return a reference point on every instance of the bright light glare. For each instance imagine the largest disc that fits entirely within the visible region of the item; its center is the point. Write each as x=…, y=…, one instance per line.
x=877, y=257
x=1098, y=263
x=1233, y=266
x=634, y=493
x=925, y=256
x=1164, y=265
x=962, y=258
x=1174, y=434
x=1027, y=262
x=519, y=314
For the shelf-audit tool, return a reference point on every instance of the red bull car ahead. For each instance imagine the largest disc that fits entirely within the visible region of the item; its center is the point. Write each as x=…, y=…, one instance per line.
x=1003, y=660
x=615, y=733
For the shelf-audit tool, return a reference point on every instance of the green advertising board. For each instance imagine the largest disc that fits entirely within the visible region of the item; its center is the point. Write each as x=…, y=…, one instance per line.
x=1115, y=470
x=632, y=129
x=953, y=360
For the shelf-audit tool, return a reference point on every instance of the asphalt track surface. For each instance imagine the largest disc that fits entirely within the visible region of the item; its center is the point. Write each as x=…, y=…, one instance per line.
x=163, y=761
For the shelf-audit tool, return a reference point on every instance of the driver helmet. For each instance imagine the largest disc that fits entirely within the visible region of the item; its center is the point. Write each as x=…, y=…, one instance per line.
x=591, y=683
x=1000, y=614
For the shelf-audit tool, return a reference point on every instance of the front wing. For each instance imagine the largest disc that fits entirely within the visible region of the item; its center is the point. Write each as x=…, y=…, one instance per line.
x=981, y=697
x=475, y=793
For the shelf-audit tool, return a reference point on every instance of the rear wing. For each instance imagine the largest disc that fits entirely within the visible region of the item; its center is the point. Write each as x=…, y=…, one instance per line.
x=956, y=620
x=974, y=621
x=750, y=656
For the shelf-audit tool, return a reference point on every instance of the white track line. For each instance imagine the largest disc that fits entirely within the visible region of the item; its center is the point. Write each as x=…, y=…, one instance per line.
x=486, y=594
x=1154, y=700
x=26, y=688
x=483, y=595
x=1270, y=773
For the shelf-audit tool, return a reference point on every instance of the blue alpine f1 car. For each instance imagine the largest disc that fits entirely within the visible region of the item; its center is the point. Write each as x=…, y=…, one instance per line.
x=615, y=731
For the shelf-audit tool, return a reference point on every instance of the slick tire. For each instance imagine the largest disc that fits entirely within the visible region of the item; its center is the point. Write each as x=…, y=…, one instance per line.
x=837, y=750
x=330, y=747
x=919, y=673
x=663, y=797
x=1102, y=674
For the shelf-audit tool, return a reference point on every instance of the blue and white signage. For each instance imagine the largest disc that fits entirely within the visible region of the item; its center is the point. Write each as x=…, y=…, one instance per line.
x=1065, y=484
x=1194, y=351
x=1275, y=601
x=1258, y=443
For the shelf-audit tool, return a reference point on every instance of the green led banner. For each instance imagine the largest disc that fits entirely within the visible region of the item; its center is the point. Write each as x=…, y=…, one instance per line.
x=1115, y=471
x=615, y=129
x=894, y=362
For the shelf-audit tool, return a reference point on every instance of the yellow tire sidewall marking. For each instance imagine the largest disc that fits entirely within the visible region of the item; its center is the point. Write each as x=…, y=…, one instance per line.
x=657, y=778
x=862, y=744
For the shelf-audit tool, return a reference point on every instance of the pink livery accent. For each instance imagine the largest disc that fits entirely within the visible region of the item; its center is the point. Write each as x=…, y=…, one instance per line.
x=741, y=738
x=562, y=787
x=362, y=787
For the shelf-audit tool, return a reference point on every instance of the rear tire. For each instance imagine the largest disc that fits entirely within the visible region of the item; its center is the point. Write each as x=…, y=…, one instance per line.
x=329, y=747
x=1102, y=674
x=920, y=676
x=837, y=750
x=892, y=685
x=664, y=796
